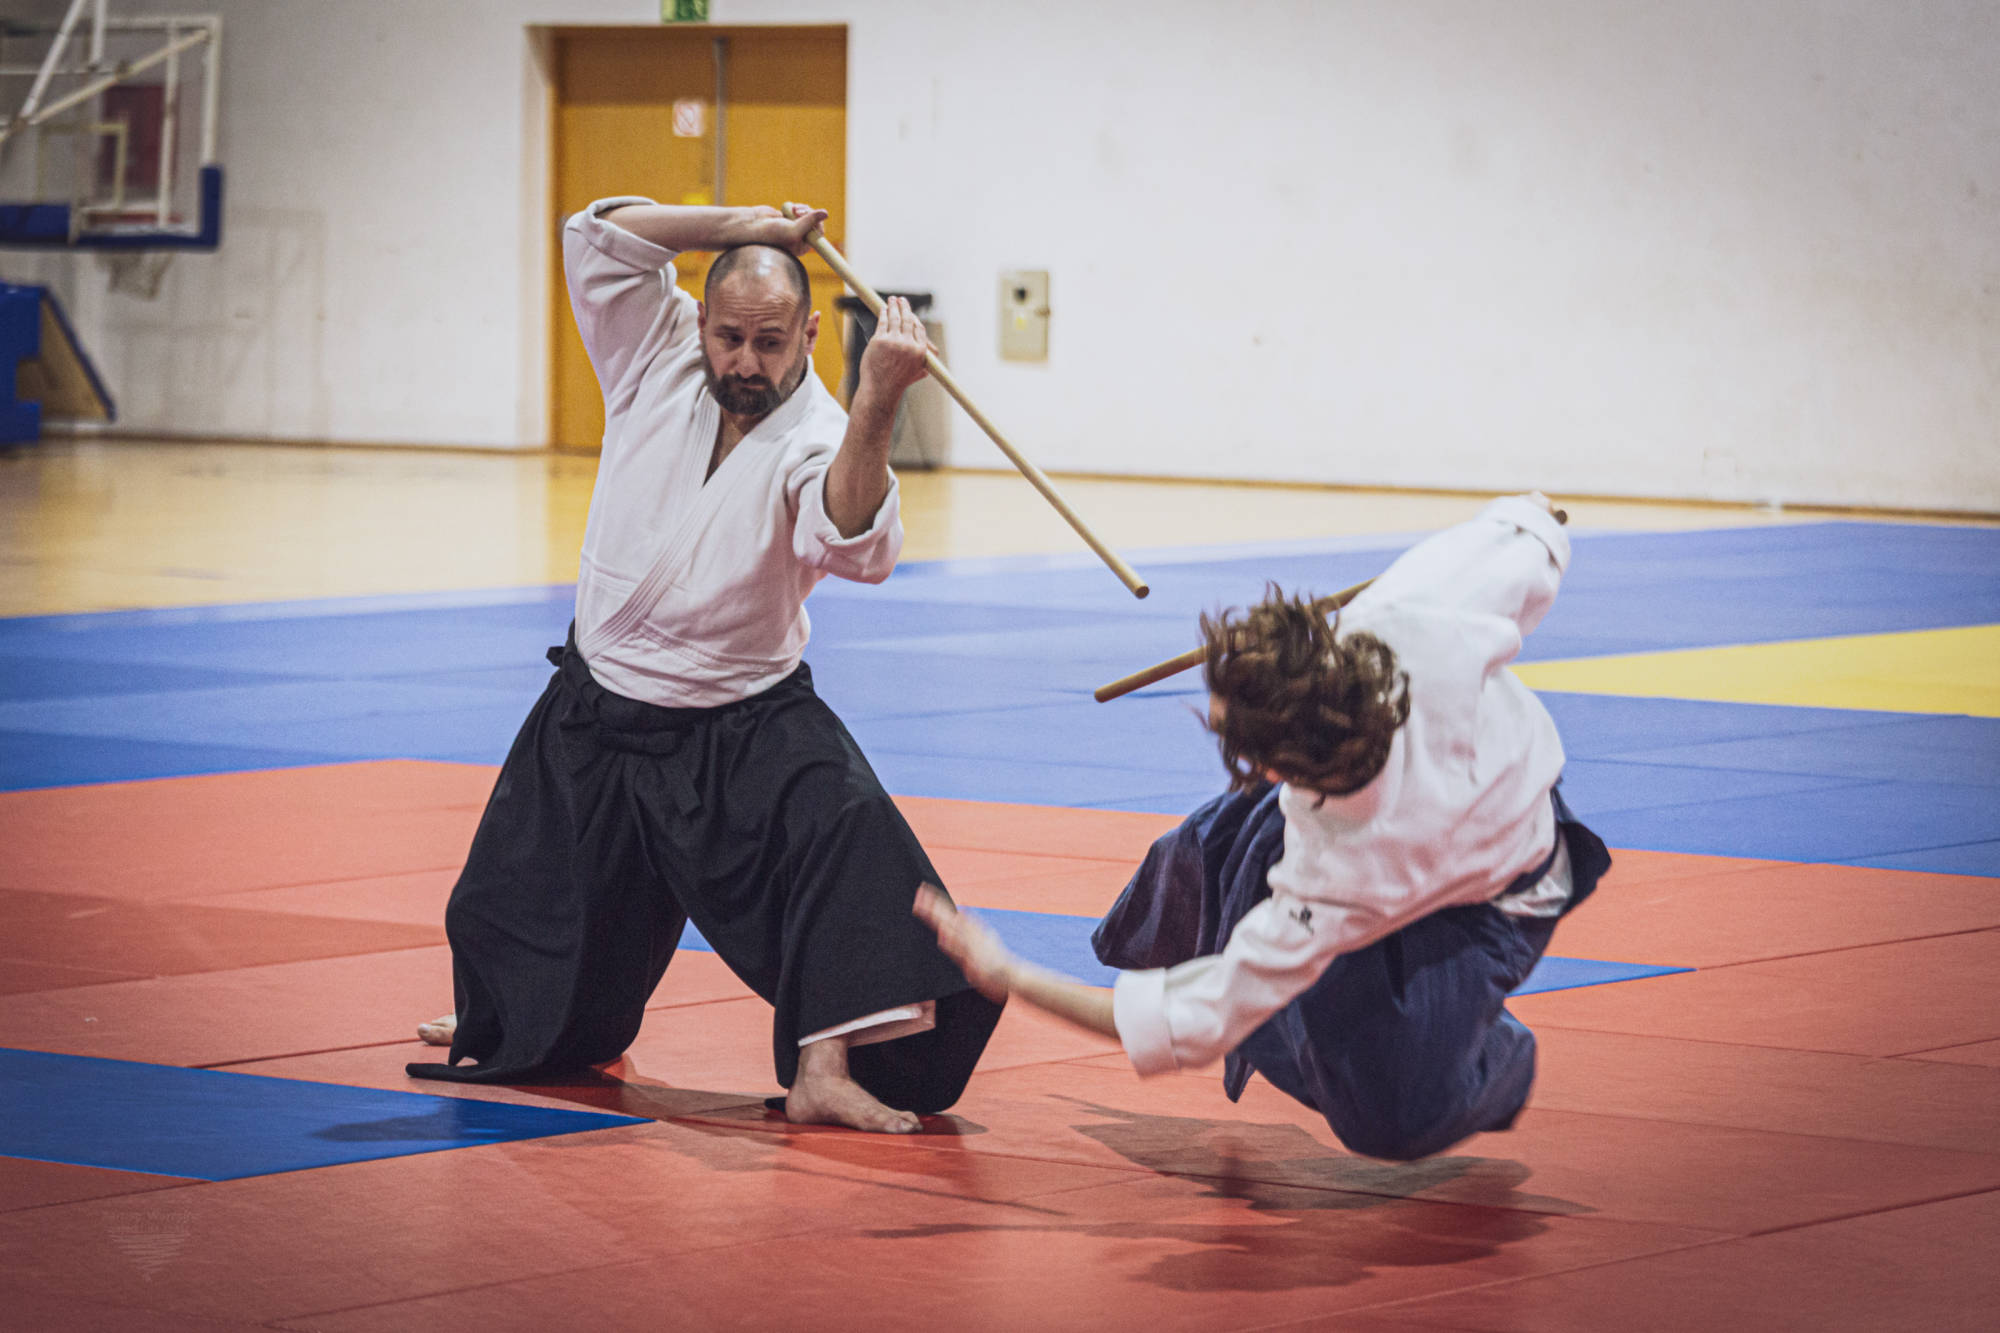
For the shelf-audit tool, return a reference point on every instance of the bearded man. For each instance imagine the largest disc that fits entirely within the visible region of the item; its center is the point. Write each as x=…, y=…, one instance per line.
x=678, y=766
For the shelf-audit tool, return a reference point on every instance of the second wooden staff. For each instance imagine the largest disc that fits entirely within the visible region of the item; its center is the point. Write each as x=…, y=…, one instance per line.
x=1192, y=658
x=1126, y=574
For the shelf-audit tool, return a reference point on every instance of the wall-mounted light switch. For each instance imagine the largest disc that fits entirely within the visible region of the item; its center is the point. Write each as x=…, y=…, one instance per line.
x=1024, y=315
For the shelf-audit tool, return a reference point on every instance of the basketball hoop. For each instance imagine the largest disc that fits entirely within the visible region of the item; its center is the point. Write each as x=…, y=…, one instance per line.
x=136, y=272
x=105, y=117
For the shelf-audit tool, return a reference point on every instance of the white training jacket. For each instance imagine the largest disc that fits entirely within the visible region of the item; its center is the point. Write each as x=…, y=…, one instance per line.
x=1459, y=811
x=692, y=594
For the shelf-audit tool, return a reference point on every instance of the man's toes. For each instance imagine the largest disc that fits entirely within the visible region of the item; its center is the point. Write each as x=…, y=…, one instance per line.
x=886, y=1121
x=439, y=1031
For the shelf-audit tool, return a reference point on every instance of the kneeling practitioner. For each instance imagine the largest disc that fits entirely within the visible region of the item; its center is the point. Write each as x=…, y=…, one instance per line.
x=679, y=765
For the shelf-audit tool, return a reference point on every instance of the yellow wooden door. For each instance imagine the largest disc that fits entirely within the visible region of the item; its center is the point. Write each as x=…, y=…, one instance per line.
x=785, y=138
x=784, y=127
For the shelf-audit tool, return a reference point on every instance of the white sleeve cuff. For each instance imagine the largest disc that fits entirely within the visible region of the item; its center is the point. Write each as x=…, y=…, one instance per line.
x=1139, y=1010
x=1537, y=522
x=612, y=239
x=869, y=556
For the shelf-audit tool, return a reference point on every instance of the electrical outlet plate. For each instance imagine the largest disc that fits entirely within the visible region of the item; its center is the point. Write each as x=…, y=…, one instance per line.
x=1024, y=315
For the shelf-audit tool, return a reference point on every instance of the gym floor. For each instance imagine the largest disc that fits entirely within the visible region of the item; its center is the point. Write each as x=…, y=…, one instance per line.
x=252, y=700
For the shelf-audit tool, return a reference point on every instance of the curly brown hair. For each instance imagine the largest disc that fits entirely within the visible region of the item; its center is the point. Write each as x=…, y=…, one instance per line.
x=1317, y=709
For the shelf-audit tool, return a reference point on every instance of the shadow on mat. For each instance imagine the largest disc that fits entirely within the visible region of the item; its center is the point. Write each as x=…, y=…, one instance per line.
x=619, y=1088
x=1228, y=1153
x=1324, y=1218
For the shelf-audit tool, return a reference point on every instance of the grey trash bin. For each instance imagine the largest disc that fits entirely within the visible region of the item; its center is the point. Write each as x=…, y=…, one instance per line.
x=921, y=437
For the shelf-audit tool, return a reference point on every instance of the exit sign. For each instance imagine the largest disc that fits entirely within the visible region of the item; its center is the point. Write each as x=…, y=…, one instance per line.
x=683, y=11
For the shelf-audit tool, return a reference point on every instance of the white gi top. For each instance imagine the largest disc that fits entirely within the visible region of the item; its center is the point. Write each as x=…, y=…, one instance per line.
x=692, y=595
x=1460, y=809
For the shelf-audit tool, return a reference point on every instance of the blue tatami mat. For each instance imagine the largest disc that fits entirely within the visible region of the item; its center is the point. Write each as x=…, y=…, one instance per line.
x=972, y=680
x=38, y=759
x=1921, y=825
x=1063, y=944
x=1626, y=592
x=204, y=1124
x=1885, y=746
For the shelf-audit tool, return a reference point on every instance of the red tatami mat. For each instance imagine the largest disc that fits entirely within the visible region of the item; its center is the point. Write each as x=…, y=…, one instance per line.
x=1772, y=910
x=1799, y=1134
x=415, y=898
x=1904, y=1101
x=285, y=1009
x=621, y=1088
x=244, y=1014
x=1978, y=1053
x=271, y=1246
x=1145, y=1253
x=31, y=1184
x=1561, y=1163
x=174, y=938
x=1065, y=885
x=18, y=978
x=1927, y=1268
x=190, y=837
x=1883, y=999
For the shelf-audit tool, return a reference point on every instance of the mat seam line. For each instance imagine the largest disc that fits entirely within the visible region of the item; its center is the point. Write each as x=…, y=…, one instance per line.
x=1708, y=1041
x=1083, y=1062
x=404, y=1041
x=1839, y=948
x=1877, y=1212
x=1510, y=1281
x=641, y=1258
x=1954, y=1046
x=180, y=1182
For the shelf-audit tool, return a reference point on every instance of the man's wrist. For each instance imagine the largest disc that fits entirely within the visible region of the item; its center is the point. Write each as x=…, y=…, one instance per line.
x=872, y=403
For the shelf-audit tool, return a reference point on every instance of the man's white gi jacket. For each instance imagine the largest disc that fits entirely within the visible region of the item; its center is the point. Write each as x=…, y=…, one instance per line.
x=692, y=594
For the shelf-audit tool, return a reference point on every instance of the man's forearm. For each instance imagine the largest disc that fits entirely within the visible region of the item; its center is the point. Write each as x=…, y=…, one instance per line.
x=857, y=481
x=687, y=227
x=1088, y=1007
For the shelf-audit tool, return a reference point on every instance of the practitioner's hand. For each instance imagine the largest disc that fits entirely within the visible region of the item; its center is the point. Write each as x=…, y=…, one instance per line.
x=895, y=356
x=967, y=942
x=792, y=228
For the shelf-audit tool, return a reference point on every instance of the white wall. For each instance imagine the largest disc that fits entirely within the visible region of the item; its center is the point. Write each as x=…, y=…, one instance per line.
x=1601, y=246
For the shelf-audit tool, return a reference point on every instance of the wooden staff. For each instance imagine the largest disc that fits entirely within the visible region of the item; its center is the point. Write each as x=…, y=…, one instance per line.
x=1040, y=482
x=1193, y=657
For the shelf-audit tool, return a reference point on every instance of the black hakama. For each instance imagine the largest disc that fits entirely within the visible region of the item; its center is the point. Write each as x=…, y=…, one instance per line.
x=614, y=822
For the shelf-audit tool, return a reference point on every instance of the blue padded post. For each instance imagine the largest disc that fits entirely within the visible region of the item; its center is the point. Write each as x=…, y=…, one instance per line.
x=20, y=340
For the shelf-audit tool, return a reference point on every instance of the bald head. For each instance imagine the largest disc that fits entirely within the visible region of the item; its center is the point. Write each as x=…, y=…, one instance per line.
x=766, y=265
x=758, y=328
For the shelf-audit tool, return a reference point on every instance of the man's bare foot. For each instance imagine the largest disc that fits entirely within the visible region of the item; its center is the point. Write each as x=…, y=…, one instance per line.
x=824, y=1094
x=439, y=1031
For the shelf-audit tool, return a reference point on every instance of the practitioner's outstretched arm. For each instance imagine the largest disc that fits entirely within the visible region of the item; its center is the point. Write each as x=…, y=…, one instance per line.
x=996, y=973
x=680, y=227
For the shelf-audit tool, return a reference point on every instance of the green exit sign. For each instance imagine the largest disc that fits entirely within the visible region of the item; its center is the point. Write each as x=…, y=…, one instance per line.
x=683, y=11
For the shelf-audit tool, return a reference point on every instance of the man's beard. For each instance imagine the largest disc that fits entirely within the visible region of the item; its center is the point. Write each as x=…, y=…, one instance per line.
x=751, y=397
